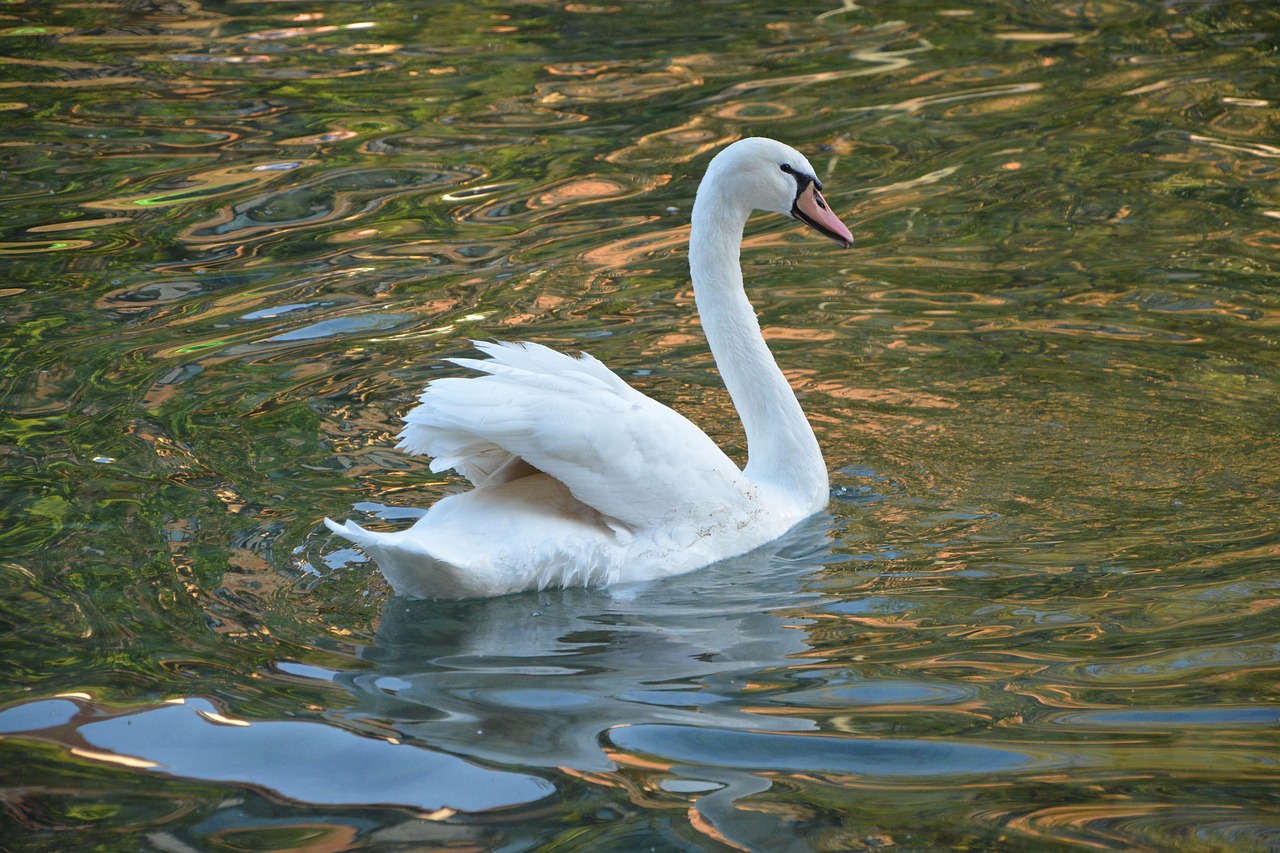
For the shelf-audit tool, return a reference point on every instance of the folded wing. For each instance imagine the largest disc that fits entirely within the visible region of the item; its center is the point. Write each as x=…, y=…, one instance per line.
x=630, y=458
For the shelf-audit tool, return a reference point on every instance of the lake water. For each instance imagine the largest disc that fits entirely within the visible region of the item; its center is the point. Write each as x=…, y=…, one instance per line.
x=1041, y=614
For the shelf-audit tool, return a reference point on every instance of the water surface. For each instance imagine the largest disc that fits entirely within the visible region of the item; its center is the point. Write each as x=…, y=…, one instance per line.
x=1041, y=611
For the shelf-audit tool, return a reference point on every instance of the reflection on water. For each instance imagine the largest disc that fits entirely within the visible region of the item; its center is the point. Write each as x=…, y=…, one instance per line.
x=241, y=237
x=538, y=679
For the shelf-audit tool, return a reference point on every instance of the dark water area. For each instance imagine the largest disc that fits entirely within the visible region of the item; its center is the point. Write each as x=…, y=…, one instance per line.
x=1040, y=614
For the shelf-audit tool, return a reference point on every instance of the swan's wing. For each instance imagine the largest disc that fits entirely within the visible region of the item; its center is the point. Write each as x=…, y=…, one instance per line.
x=627, y=456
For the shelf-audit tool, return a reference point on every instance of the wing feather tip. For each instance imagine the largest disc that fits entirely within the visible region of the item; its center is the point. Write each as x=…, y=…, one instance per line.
x=349, y=530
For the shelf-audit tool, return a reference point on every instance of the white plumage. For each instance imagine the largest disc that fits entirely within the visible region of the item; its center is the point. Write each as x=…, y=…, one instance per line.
x=578, y=478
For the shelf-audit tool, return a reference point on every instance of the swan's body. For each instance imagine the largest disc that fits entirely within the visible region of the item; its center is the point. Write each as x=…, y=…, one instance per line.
x=578, y=478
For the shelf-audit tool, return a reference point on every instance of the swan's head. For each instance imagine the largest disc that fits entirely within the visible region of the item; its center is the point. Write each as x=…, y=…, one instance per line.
x=764, y=174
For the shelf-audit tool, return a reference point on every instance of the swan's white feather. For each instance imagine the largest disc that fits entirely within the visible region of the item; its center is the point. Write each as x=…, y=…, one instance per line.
x=628, y=457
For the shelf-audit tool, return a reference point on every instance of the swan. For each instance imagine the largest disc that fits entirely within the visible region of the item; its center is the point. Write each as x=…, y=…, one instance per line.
x=579, y=479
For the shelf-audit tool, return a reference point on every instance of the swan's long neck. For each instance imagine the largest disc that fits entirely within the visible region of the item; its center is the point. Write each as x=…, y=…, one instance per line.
x=782, y=451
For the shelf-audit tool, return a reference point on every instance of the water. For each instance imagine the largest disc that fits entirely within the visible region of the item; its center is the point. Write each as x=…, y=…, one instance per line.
x=1040, y=615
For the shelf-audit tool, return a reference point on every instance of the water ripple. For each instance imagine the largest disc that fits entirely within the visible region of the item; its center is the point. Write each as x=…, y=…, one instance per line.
x=241, y=239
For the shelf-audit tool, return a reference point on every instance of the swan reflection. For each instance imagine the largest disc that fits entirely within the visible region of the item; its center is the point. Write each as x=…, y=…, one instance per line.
x=536, y=679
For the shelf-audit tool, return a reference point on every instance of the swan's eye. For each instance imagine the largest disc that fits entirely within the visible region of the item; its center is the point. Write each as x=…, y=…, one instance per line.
x=802, y=179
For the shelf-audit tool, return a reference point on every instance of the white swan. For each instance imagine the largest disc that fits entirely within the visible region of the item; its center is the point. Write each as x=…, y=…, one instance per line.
x=580, y=480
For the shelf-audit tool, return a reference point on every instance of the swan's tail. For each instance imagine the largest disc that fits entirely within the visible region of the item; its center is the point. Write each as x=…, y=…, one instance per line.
x=413, y=569
x=351, y=531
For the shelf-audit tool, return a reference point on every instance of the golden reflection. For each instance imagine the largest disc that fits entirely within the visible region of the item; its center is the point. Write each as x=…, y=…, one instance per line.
x=116, y=40
x=912, y=399
x=196, y=187
x=617, y=87
x=782, y=333
x=1048, y=822
x=676, y=340
x=36, y=247
x=1257, y=149
x=1022, y=35
x=303, y=837
x=538, y=203
x=320, y=138
x=371, y=49
x=518, y=113
x=882, y=62
x=294, y=32
x=1148, y=88
x=927, y=297
x=112, y=758
x=61, y=65
x=249, y=59
x=382, y=231
x=627, y=252
x=902, y=345
x=220, y=719
x=1268, y=240
x=754, y=111
x=965, y=713
x=846, y=6
x=578, y=69
x=482, y=191
x=679, y=144
x=1246, y=102
x=579, y=190
x=651, y=784
x=705, y=827
x=913, y=105
x=1249, y=123
x=638, y=778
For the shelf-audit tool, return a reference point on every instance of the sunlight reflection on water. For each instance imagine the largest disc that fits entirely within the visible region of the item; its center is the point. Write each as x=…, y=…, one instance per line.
x=240, y=240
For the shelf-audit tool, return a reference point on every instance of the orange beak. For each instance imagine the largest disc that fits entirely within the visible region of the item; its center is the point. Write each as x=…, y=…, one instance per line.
x=810, y=207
